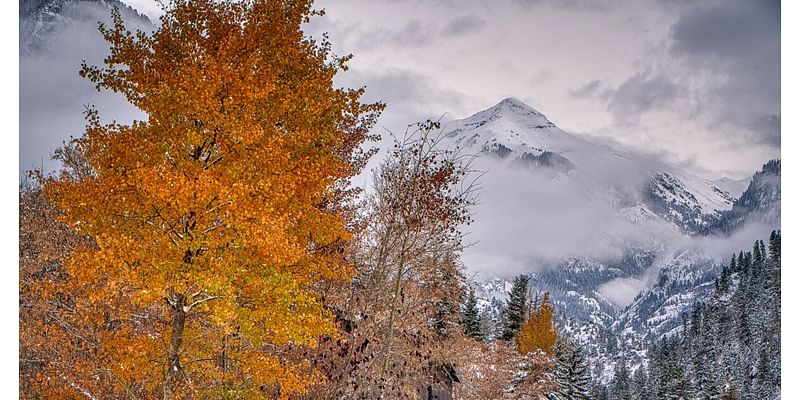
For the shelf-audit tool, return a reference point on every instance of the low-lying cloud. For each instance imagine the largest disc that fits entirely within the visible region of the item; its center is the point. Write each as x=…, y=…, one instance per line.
x=53, y=96
x=529, y=218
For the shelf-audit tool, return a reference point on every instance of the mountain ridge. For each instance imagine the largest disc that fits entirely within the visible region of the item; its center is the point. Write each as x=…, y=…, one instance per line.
x=671, y=276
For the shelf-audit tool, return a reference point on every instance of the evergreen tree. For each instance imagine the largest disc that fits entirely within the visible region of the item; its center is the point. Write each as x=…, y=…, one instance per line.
x=745, y=334
x=471, y=319
x=671, y=374
x=621, y=384
x=703, y=364
x=639, y=390
x=600, y=392
x=514, y=313
x=758, y=259
x=729, y=347
x=571, y=372
x=442, y=320
x=775, y=245
x=740, y=265
x=765, y=383
x=725, y=278
x=775, y=281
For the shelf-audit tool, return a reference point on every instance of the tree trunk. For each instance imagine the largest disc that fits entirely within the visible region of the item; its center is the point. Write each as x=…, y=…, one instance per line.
x=174, y=367
x=393, y=311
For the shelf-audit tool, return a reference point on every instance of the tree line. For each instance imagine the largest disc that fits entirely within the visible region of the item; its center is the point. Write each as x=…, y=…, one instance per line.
x=728, y=346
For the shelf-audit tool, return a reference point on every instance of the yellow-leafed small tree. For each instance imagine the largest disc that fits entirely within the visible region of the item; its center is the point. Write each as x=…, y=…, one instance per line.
x=538, y=333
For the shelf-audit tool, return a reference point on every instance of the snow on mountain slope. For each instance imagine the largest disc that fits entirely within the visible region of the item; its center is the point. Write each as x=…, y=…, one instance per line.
x=554, y=203
x=512, y=134
x=56, y=36
x=733, y=186
x=760, y=202
x=40, y=19
x=681, y=281
x=512, y=127
x=609, y=333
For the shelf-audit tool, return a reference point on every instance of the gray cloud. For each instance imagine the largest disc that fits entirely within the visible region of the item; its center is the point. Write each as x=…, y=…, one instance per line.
x=736, y=44
x=705, y=73
x=574, y=5
x=521, y=227
x=622, y=291
x=542, y=76
x=640, y=94
x=731, y=29
x=414, y=34
x=769, y=128
x=409, y=96
x=463, y=25
x=587, y=90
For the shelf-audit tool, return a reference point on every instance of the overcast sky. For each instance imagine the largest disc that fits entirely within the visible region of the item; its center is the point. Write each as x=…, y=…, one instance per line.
x=697, y=82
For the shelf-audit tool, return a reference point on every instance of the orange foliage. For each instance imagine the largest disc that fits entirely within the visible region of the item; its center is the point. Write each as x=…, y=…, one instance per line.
x=209, y=222
x=538, y=333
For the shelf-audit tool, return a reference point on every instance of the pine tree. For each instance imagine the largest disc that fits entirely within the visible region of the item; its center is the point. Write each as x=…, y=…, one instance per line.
x=600, y=392
x=671, y=374
x=745, y=334
x=732, y=342
x=703, y=365
x=621, y=384
x=740, y=264
x=471, y=319
x=775, y=245
x=571, y=372
x=725, y=278
x=775, y=281
x=514, y=313
x=758, y=258
x=442, y=317
x=639, y=390
x=757, y=265
x=764, y=382
x=774, y=296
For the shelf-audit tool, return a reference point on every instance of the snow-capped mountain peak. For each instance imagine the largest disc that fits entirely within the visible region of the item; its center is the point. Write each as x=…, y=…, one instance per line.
x=515, y=131
x=514, y=110
x=517, y=135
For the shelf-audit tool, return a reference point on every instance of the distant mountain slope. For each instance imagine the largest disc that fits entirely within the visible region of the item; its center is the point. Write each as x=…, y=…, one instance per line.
x=761, y=202
x=56, y=36
x=547, y=188
x=512, y=134
x=41, y=18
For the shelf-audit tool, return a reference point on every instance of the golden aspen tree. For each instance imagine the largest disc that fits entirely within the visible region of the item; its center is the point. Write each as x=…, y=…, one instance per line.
x=211, y=221
x=538, y=333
